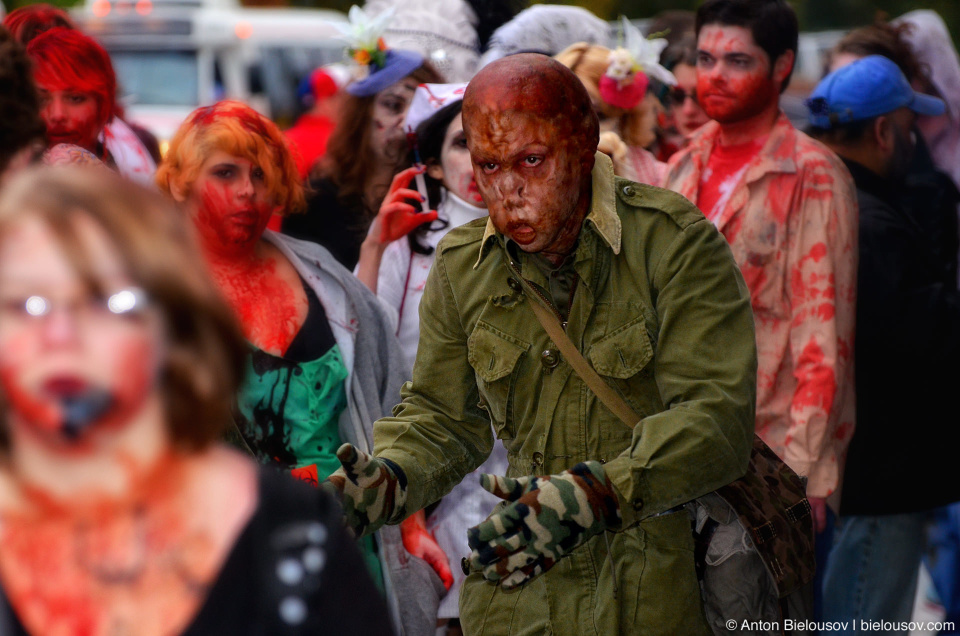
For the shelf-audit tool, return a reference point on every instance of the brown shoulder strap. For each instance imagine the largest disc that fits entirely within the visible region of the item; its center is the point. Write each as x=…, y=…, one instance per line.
x=604, y=391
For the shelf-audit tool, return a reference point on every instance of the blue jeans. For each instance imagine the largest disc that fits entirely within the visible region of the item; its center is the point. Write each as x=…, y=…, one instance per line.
x=872, y=570
x=823, y=541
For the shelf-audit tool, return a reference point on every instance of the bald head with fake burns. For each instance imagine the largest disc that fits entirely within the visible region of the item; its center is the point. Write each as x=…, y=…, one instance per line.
x=532, y=134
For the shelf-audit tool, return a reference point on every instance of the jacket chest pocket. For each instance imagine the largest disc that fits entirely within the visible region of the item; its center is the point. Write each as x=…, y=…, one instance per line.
x=624, y=358
x=495, y=357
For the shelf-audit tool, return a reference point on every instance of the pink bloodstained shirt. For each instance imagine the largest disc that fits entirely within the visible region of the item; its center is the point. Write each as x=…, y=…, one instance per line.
x=791, y=222
x=725, y=170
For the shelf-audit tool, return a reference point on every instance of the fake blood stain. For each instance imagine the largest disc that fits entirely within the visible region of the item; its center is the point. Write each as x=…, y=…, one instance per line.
x=229, y=224
x=91, y=568
x=736, y=85
x=268, y=310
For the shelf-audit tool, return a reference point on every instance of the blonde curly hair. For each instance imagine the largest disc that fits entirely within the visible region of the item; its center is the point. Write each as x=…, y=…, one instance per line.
x=636, y=126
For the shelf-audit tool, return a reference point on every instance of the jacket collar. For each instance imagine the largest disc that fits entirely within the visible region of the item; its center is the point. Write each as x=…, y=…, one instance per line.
x=602, y=216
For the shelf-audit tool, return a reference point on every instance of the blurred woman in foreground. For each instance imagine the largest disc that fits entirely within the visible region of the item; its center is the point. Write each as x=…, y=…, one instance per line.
x=118, y=363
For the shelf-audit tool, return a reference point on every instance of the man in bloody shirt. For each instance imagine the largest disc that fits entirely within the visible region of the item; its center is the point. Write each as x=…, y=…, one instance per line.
x=787, y=206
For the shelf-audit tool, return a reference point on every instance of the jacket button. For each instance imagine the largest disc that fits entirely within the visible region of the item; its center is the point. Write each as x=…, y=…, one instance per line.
x=550, y=358
x=514, y=284
x=637, y=504
x=538, y=459
x=628, y=190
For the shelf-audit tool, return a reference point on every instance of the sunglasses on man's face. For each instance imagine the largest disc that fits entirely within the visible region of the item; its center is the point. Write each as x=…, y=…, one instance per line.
x=677, y=96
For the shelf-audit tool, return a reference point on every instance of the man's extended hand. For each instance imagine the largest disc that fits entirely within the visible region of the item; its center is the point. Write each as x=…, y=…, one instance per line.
x=548, y=517
x=373, y=490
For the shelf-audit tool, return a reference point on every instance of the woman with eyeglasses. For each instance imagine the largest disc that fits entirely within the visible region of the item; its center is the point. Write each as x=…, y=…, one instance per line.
x=119, y=511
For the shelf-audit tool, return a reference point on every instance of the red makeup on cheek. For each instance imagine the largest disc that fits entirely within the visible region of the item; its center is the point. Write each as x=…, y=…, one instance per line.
x=468, y=190
x=78, y=125
x=474, y=192
x=125, y=393
x=725, y=100
x=134, y=379
x=226, y=224
x=34, y=412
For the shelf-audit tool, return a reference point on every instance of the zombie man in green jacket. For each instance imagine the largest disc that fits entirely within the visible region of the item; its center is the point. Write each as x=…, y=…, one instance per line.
x=592, y=537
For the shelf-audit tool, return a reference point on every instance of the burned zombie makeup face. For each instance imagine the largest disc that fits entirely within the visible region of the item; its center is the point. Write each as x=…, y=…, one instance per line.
x=456, y=168
x=230, y=204
x=734, y=78
x=530, y=170
x=71, y=117
x=389, y=108
x=73, y=361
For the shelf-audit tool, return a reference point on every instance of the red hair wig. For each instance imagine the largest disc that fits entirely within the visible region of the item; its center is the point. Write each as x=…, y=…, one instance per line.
x=30, y=21
x=66, y=59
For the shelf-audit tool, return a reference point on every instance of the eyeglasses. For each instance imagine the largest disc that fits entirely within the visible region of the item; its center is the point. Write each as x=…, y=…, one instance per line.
x=127, y=303
x=677, y=96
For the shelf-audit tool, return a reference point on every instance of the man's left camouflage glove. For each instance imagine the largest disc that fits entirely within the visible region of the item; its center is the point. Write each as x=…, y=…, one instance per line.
x=372, y=490
x=548, y=517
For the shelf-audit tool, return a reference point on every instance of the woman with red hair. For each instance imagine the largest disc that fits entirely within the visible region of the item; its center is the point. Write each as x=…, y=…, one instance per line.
x=323, y=362
x=78, y=90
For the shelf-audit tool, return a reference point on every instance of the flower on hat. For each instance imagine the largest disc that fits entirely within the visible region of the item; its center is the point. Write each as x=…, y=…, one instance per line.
x=364, y=37
x=630, y=66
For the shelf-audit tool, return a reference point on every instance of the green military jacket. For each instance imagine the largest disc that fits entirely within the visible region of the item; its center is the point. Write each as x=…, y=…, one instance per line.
x=662, y=313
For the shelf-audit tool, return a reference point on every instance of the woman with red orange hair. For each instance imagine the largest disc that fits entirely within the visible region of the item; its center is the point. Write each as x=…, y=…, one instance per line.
x=323, y=362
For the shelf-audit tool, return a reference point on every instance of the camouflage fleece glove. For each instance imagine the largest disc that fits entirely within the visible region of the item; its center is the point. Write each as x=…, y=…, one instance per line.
x=548, y=517
x=372, y=490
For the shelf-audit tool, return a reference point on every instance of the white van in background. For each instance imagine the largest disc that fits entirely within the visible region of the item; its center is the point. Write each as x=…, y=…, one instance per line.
x=172, y=56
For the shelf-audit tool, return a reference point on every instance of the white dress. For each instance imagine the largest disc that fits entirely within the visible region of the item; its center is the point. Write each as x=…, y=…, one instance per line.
x=402, y=276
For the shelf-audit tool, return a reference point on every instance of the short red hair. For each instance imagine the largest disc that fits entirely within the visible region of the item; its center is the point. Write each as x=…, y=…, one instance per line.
x=66, y=59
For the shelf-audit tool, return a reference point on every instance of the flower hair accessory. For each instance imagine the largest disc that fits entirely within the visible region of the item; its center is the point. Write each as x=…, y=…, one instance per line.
x=630, y=68
x=364, y=36
x=375, y=66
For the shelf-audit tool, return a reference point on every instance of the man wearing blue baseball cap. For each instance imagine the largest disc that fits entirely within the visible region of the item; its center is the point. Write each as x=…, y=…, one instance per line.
x=908, y=341
x=871, y=92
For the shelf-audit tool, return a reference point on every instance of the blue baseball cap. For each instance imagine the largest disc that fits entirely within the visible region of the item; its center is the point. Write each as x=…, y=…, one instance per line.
x=870, y=87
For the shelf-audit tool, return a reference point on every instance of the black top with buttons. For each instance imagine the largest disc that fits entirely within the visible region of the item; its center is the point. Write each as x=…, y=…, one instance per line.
x=292, y=571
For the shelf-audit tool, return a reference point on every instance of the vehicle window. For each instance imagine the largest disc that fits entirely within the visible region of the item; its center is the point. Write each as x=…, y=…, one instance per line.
x=158, y=78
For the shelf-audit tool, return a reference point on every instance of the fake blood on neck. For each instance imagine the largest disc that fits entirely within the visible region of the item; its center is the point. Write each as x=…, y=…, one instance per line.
x=267, y=307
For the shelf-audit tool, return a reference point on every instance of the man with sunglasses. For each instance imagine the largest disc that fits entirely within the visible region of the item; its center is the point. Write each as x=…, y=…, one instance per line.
x=787, y=206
